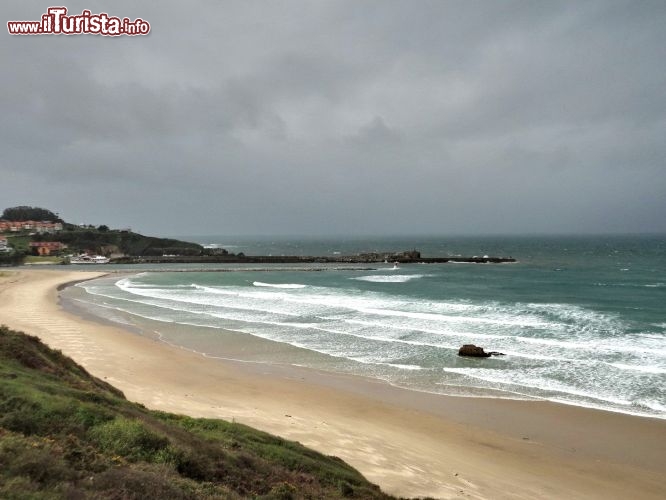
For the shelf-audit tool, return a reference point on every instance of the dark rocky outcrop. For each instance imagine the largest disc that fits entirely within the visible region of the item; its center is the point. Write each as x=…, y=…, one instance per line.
x=476, y=352
x=411, y=257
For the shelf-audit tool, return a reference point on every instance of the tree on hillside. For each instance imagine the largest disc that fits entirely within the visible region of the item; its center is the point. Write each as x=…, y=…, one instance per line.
x=11, y=258
x=29, y=213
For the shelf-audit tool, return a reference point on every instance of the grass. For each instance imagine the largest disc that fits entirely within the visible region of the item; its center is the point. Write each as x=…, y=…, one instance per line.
x=66, y=434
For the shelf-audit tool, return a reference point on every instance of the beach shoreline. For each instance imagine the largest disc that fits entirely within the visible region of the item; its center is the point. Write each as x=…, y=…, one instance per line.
x=410, y=443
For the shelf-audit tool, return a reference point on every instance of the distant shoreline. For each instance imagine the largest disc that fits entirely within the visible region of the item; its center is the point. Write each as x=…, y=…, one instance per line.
x=295, y=259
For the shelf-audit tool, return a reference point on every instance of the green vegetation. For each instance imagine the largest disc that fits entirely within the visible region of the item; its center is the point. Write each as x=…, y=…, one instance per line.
x=100, y=239
x=106, y=241
x=11, y=258
x=24, y=213
x=66, y=434
x=20, y=243
x=19, y=249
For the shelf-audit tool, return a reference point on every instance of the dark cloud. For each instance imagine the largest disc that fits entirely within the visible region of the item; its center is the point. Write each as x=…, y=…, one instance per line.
x=343, y=117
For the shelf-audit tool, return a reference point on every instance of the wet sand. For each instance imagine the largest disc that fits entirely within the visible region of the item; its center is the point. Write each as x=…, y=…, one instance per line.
x=411, y=444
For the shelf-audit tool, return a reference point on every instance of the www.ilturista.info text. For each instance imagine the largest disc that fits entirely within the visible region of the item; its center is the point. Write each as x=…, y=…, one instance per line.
x=57, y=22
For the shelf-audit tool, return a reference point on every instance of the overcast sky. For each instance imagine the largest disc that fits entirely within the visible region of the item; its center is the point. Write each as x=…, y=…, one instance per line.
x=342, y=117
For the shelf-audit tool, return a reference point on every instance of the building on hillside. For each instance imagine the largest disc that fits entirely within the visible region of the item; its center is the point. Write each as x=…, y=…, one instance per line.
x=4, y=245
x=8, y=226
x=46, y=247
x=47, y=227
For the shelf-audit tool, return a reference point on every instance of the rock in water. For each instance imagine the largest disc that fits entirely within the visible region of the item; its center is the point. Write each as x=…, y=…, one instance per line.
x=474, y=351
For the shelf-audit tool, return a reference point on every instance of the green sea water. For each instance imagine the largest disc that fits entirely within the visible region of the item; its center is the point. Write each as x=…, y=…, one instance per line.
x=581, y=320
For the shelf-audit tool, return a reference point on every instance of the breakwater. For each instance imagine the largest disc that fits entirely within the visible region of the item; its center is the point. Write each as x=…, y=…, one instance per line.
x=408, y=257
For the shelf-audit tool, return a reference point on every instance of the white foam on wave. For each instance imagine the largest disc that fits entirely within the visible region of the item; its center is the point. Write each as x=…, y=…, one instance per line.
x=659, y=350
x=380, y=362
x=625, y=410
x=129, y=311
x=540, y=339
x=535, y=356
x=369, y=302
x=568, y=313
x=556, y=343
x=112, y=309
x=653, y=336
x=213, y=289
x=534, y=382
x=382, y=338
x=395, y=278
x=405, y=367
x=653, y=405
x=418, y=329
x=517, y=321
x=573, y=326
x=599, y=345
x=278, y=285
x=639, y=368
x=183, y=301
x=232, y=314
x=391, y=313
x=124, y=283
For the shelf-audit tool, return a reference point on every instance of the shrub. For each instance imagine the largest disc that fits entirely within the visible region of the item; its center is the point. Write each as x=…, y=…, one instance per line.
x=133, y=483
x=32, y=459
x=282, y=491
x=129, y=439
x=346, y=489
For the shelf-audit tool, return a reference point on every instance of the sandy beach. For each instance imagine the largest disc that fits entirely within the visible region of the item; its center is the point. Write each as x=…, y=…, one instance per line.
x=411, y=444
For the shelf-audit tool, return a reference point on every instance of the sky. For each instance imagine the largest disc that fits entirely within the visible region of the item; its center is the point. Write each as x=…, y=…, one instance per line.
x=342, y=117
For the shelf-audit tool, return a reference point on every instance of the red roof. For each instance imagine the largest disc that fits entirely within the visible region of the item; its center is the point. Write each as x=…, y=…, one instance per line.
x=47, y=244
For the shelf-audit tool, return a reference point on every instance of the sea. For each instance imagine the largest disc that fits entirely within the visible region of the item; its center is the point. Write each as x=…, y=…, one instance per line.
x=580, y=320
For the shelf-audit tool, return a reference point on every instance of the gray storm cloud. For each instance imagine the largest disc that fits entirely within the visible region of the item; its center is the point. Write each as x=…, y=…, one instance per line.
x=335, y=117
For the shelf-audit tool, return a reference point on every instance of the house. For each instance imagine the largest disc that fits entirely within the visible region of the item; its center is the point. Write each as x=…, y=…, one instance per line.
x=46, y=247
x=4, y=245
x=47, y=227
x=7, y=226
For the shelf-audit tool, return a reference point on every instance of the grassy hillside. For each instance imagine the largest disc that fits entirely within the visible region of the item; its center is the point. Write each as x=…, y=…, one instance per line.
x=99, y=239
x=66, y=434
x=127, y=242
